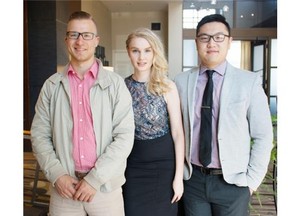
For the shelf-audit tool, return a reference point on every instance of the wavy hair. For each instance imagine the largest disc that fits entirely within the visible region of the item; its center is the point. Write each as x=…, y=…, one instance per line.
x=158, y=81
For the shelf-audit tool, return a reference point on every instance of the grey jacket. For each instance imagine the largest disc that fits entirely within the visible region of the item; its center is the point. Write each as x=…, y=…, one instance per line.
x=113, y=121
x=244, y=114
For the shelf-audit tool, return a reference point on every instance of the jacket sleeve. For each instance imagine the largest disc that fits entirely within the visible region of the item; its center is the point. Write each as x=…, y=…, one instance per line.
x=41, y=135
x=261, y=132
x=116, y=142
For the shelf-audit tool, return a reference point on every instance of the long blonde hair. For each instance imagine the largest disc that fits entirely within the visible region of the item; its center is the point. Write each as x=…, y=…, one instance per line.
x=158, y=83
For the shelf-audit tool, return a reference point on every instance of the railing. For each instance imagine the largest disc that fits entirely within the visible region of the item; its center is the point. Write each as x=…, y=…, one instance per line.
x=33, y=176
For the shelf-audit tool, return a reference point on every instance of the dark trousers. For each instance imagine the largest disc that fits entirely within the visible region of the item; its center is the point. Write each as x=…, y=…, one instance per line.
x=210, y=195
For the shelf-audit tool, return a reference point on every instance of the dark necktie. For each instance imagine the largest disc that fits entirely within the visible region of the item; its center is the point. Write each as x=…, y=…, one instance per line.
x=206, y=122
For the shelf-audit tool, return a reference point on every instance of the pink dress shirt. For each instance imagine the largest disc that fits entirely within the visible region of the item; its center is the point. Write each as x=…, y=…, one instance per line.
x=84, y=141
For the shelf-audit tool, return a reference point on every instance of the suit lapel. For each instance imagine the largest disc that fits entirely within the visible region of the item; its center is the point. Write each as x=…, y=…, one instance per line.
x=192, y=82
x=191, y=89
x=227, y=90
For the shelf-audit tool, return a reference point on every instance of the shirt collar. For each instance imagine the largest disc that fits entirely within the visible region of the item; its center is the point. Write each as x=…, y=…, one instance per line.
x=220, y=69
x=93, y=70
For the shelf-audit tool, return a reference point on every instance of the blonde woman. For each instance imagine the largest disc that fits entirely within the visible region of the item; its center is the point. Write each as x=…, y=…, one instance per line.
x=154, y=174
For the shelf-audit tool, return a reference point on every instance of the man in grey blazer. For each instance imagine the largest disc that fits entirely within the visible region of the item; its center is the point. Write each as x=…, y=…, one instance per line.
x=241, y=128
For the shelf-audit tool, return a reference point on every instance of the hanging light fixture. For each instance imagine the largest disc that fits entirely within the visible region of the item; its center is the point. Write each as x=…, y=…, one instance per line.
x=225, y=8
x=213, y=2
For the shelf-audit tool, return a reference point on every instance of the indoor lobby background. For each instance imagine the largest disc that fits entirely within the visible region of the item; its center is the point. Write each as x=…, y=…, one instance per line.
x=253, y=23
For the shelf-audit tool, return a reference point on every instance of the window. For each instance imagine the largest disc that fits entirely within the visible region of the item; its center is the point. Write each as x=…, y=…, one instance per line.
x=273, y=77
x=191, y=17
x=190, y=56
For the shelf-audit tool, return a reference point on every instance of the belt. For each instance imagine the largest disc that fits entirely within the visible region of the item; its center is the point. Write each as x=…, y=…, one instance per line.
x=80, y=175
x=208, y=171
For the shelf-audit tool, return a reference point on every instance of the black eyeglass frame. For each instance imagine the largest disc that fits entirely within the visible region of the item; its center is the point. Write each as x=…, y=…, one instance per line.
x=82, y=34
x=214, y=37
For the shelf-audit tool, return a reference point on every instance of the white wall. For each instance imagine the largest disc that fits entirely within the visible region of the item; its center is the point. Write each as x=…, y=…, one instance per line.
x=102, y=17
x=175, y=38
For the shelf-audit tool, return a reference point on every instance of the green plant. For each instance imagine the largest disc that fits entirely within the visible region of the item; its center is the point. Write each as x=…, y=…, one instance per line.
x=274, y=150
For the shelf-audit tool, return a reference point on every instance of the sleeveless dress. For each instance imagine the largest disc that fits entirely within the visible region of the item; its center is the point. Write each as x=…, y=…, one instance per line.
x=151, y=165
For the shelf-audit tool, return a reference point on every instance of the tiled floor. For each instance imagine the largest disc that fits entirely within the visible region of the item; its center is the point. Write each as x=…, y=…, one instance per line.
x=263, y=202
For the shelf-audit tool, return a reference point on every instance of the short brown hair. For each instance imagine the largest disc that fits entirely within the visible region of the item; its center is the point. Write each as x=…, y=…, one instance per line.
x=81, y=15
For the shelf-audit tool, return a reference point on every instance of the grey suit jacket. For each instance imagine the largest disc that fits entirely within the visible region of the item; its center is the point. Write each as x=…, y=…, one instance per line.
x=244, y=115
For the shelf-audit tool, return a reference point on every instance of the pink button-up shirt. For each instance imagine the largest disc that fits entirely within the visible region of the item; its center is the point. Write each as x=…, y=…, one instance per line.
x=218, y=78
x=84, y=141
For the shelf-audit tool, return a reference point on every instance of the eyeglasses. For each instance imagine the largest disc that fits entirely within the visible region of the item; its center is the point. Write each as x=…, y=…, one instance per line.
x=204, y=38
x=85, y=35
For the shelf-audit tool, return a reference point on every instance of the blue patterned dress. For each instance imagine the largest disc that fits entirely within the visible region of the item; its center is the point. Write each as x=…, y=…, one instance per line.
x=151, y=164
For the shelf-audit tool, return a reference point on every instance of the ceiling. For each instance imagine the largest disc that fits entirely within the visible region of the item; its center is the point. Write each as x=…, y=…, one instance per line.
x=269, y=18
x=137, y=5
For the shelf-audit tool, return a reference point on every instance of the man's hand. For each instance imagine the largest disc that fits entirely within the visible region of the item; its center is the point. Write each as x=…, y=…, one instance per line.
x=65, y=186
x=84, y=191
